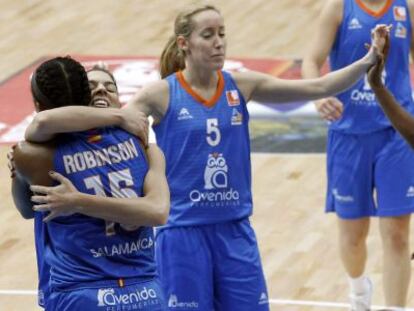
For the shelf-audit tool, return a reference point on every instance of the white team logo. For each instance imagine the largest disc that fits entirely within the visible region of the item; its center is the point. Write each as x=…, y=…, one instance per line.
x=215, y=173
x=400, y=31
x=263, y=299
x=367, y=87
x=236, y=117
x=108, y=298
x=184, y=114
x=102, y=294
x=173, y=301
x=410, y=192
x=354, y=24
x=341, y=197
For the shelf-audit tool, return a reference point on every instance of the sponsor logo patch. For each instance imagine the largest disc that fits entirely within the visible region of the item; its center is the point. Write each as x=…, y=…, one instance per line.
x=400, y=31
x=400, y=13
x=135, y=300
x=173, y=302
x=233, y=98
x=236, y=117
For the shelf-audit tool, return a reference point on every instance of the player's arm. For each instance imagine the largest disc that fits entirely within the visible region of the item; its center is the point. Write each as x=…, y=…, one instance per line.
x=318, y=51
x=264, y=87
x=27, y=160
x=150, y=210
x=21, y=194
x=152, y=100
x=399, y=117
x=329, y=108
x=46, y=124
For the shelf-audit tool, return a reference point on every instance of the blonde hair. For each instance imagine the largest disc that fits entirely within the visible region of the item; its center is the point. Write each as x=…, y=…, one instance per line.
x=172, y=58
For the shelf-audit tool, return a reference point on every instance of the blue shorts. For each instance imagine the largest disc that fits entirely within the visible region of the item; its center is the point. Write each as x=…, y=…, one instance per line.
x=369, y=175
x=137, y=296
x=211, y=267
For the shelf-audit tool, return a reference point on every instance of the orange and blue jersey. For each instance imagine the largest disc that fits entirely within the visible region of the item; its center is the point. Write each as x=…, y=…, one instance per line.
x=362, y=113
x=207, y=149
x=83, y=250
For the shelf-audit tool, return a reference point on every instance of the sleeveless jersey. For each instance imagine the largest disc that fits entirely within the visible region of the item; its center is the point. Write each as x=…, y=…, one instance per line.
x=207, y=152
x=43, y=269
x=362, y=113
x=82, y=249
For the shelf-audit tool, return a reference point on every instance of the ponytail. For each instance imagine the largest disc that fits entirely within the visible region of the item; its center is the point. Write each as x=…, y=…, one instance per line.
x=172, y=59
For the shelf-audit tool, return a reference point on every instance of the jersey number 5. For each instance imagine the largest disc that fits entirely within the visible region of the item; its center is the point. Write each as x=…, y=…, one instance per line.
x=213, y=132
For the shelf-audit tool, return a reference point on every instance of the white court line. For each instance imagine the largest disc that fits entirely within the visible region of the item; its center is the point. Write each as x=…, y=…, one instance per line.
x=291, y=155
x=271, y=301
x=18, y=292
x=321, y=304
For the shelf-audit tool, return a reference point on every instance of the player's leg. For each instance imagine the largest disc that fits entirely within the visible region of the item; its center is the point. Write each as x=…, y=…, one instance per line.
x=349, y=194
x=395, y=187
x=184, y=264
x=396, y=259
x=239, y=282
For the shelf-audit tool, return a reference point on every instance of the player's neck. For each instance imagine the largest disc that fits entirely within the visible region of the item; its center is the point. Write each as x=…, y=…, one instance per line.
x=200, y=78
x=375, y=5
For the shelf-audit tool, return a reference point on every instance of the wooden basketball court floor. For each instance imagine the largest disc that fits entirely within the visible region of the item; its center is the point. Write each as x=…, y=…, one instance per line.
x=297, y=240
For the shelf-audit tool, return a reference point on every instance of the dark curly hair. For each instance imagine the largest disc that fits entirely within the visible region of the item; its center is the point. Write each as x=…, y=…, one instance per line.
x=60, y=81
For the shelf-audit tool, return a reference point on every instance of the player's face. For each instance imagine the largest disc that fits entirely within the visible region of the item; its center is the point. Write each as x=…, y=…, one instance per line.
x=206, y=45
x=103, y=89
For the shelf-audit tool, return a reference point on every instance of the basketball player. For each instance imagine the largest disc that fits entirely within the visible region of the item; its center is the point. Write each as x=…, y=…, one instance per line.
x=100, y=250
x=207, y=254
x=364, y=152
x=55, y=86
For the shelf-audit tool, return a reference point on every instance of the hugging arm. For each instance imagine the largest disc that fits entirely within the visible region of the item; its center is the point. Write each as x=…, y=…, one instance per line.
x=150, y=210
x=46, y=124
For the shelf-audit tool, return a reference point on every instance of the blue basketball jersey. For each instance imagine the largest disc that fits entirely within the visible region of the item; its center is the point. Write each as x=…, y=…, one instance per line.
x=43, y=269
x=82, y=249
x=207, y=151
x=362, y=113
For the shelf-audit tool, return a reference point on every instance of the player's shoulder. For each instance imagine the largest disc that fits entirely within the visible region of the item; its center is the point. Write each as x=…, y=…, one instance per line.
x=28, y=149
x=29, y=157
x=334, y=8
x=154, y=89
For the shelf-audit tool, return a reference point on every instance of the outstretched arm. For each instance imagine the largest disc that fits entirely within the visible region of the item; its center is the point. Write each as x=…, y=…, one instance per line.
x=150, y=210
x=263, y=87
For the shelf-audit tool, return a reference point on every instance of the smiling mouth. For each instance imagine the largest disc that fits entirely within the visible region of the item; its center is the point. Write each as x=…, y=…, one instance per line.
x=100, y=103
